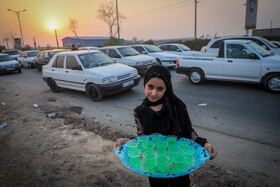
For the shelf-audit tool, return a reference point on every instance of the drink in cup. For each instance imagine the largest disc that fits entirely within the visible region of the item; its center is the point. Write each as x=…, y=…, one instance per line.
x=156, y=137
x=141, y=140
x=173, y=150
x=134, y=158
x=150, y=160
x=148, y=146
x=183, y=144
x=180, y=162
x=162, y=163
x=171, y=140
x=132, y=144
x=189, y=153
x=161, y=147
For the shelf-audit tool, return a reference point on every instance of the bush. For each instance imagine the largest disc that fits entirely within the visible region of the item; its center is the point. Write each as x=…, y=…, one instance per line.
x=112, y=41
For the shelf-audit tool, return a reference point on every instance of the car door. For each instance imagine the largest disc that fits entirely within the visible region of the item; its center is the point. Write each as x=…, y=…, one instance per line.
x=239, y=65
x=116, y=56
x=57, y=70
x=73, y=74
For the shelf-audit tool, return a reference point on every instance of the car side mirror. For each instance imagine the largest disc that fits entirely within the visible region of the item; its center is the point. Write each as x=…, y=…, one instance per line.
x=77, y=68
x=253, y=56
x=144, y=52
x=178, y=50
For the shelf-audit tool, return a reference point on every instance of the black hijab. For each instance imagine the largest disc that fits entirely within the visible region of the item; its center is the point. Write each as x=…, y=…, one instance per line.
x=179, y=122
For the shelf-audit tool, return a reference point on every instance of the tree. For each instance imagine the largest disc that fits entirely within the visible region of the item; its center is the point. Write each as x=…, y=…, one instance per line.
x=73, y=23
x=107, y=13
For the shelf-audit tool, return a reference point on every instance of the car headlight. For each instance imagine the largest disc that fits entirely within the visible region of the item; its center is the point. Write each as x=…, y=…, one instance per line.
x=134, y=73
x=109, y=80
x=17, y=65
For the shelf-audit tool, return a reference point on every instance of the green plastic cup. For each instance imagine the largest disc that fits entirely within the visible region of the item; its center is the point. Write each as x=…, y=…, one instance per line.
x=173, y=150
x=189, y=153
x=183, y=144
x=162, y=163
x=150, y=160
x=156, y=137
x=172, y=140
x=180, y=162
x=148, y=146
x=132, y=144
x=161, y=147
x=134, y=158
x=141, y=140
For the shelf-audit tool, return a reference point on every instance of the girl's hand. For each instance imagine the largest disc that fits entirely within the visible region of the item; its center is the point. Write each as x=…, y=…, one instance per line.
x=120, y=142
x=212, y=151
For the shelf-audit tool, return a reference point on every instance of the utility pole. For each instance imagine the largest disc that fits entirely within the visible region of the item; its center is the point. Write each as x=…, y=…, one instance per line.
x=118, y=20
x=195, y=20
x=34, y=41
x=56, y=38
x=18, y=13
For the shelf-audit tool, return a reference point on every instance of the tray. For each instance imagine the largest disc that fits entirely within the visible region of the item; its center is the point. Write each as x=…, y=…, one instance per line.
x=200, y=156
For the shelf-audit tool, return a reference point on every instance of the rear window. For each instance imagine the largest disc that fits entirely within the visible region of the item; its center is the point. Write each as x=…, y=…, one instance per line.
x=4, y=58
x=71, y=62
x=11, y=52
x=59, y=61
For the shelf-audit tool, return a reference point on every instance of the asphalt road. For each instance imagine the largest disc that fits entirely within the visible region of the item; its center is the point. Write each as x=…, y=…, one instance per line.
x=241, y=120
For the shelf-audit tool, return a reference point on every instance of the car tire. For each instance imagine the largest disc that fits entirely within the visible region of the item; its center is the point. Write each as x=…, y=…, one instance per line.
x=39, y=68
x=29, y=65
x=196, y=76
x=53, y=86
x=94, y=93
x=272, y=82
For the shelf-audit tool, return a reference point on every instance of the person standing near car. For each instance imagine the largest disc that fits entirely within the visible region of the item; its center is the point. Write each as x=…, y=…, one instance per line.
x=163, y=112
x=74, y=48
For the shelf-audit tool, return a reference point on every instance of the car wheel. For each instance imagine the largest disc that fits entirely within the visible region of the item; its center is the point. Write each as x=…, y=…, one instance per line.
x=39, y=68
x=29, y=65
x=196, y=76
x=53, y=86
x=272, y=82
x=19, y=71
x=94, y=92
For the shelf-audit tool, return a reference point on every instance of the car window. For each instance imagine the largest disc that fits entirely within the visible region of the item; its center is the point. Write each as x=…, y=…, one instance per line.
x=261, y=51
x=71, y=62
x=32, y=54
x=4, y=58
x=184, y=48
x=138, y=48
x=21, y=55
x=11, y=52
x=46, y=55
x=216, y=44
x=152, y=49
x=238, y=51
x=113, y=53
x=103, y=50
x=164, y=47
x=91, y=60
x=40, y=55
x=128, y=51
x=52, y=53
x=173, y=48
x=59, y=61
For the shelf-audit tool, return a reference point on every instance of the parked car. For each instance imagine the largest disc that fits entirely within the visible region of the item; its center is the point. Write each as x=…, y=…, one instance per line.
x=13, y=53
x=277, y=43
x=92, y=72
x=163, y=58
x=129, y=56
x=238, y=60
x=44, y=57
x=9, y=64
x=212, y=47
x=179, y=49
x=26, y=58
x=88, y=48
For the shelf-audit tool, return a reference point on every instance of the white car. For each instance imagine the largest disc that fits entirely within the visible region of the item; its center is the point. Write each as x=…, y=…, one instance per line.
x=8, y=64
x=179, y=49
x=92, y=72
x=163, y=58
x=88, y=48
x=277, y=43
x=129, y=56
x=26, y=58
x=212, y=47
x=13, y=53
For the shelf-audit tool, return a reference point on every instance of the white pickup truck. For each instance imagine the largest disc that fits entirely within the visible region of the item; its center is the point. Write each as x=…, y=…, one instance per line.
x=238, y=60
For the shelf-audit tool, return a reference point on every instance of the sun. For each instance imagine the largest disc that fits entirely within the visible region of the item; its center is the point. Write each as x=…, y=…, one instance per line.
x=52, y=25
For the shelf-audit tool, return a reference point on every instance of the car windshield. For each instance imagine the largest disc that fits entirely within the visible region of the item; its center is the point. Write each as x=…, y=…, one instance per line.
x=128, y=51
x=33, y=53
x=261, y=51
x=184, y=48
x=11, y=52
x=269, y=43
x=152, y=49
x=51, y=53
x=91, y=60
x=4, y=58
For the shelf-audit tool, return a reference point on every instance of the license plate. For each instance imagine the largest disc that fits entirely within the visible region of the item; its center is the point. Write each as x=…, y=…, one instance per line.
x=127, y=83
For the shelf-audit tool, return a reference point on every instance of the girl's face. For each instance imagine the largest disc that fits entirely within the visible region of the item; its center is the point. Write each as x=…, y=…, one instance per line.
x=155, y=89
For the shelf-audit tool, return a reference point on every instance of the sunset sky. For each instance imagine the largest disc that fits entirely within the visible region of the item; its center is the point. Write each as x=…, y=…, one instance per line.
x=145, y=19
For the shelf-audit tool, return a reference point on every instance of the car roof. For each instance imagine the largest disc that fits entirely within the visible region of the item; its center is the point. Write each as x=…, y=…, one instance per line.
x=55, y=50
x=114, y=47
x=80, y=52
x=1, y=54
x=238, y=41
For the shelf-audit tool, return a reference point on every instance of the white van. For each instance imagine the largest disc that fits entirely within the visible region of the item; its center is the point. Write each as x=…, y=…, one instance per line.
x=92, y=72
x=129, y=56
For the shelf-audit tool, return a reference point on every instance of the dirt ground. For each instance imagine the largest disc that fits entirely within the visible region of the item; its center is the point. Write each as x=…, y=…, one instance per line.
x=71, y=150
